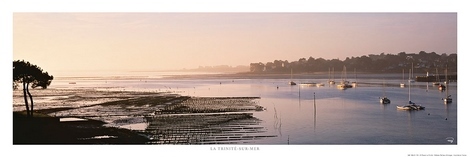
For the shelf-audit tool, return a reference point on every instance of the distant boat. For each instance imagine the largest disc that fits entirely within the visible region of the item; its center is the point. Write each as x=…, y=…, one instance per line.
x=384, y=99
x=447, y=99
x=308, y=84
x=320, y=84
x=437, y=79
x=411, y=105
x=329, y=73
x=292, y=83
x=72, y=82
x=403, y=81
x=344, y=82
x=354, y=84
x=442, y=87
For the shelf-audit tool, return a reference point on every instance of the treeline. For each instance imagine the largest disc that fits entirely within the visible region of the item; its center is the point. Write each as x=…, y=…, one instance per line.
x=383, y=63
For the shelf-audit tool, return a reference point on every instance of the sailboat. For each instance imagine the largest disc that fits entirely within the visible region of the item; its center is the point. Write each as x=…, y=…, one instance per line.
x=384, y=99
x=331, y=81
x=344, y=82
x=437, y=79
x=291, y=82
x=411, y=105
x=354, y=84
x=447, y=99
x=402, y=84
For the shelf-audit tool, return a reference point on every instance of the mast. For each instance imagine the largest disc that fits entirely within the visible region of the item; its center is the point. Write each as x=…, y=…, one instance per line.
x=355, y=75
x=329, y=77
x=333, y=73
x=409, y=87
x=290, y=74
x=447, y=86
x=403, y=75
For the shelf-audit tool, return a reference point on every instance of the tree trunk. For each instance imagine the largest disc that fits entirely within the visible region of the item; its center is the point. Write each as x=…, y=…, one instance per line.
x=30, y=98
x=25, y=99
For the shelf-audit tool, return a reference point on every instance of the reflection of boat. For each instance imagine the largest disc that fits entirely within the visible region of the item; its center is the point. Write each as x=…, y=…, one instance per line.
x=411, y=105
x=447, y=99
x=291, y=82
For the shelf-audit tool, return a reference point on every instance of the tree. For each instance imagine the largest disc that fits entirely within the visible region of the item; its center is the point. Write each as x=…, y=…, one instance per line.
x=29, y=74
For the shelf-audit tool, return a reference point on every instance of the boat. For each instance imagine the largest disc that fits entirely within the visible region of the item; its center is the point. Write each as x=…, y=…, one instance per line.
x=329, y=73
x=411, y=105
x=320, y=84
x=292, y=83
x=384, y=99
x=406, y=107
x=344, y=82
x=447, y=99
x=309, y=84
x=437, y=79
x=412, y=76
x=402, y=85
x=354, y=84
x=442, y=87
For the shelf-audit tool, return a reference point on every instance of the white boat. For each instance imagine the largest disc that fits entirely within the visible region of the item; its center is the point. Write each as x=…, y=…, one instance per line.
x=354, y=84
x=406, y=107
x=447, y=99
x=329, y=73
x=344, y=83
x=411, y=105
x=309, y=84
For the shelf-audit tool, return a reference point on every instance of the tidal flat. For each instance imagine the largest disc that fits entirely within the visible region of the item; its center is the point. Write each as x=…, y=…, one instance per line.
x=162, y=118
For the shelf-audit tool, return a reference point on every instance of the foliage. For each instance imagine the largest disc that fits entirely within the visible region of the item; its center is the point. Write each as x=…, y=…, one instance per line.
x=422, y=62
x=27, y=73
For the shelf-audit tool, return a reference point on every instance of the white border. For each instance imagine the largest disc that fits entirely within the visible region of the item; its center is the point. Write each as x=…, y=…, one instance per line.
x=9, y=6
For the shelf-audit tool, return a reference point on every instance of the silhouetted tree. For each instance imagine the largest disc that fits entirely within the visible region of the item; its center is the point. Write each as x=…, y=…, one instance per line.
x=27, y=73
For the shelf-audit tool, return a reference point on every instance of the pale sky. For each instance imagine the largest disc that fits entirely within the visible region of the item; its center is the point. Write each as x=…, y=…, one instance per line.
x=158, y=41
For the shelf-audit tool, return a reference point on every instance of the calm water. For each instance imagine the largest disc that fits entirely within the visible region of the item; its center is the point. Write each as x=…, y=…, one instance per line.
x=293, y=116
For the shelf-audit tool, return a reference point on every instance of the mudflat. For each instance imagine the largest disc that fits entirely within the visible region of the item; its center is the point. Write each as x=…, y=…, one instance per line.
x=116, y=117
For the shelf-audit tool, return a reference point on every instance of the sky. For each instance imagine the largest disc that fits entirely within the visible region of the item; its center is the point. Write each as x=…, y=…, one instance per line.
x=176, y=40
